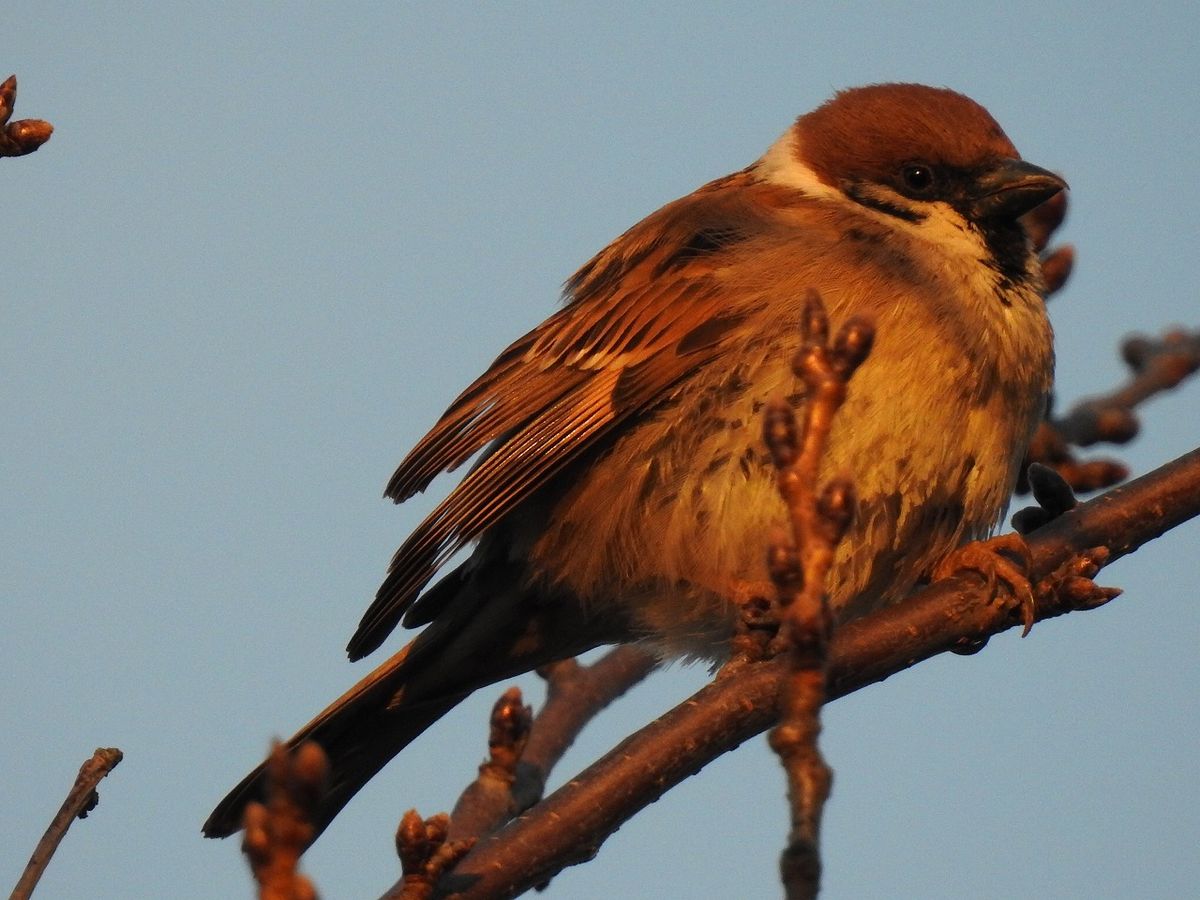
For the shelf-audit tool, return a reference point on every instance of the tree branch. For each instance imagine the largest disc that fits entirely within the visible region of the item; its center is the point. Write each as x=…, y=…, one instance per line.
x=574, y=821
x=81, y=800
x=575, y=695
x=510, y=785
x=1157, y=365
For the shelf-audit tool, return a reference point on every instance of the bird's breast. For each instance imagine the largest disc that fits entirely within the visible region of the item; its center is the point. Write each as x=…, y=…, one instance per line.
x=676, y=516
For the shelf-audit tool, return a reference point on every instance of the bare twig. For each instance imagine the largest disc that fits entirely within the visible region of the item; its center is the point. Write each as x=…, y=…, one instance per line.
x=81, y=800
x=521, y=756
x=819, y=519
x=1050, y=449
x=488, y=801
x=1157, y=365
x=570, y=824
x=575, y=694
x=278, y=832
x=24, y=135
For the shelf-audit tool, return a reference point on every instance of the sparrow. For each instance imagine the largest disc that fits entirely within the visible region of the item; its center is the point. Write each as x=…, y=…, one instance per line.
x=622, y=490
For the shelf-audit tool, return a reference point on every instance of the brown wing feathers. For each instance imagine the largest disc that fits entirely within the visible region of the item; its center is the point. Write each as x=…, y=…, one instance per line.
x=516, y=467
x=620, y=345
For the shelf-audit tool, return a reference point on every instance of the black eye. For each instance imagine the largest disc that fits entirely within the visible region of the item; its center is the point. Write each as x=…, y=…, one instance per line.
x=918, y=177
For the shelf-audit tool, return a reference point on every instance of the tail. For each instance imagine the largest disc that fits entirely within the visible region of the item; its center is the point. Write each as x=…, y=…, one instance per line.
x=474, y=642
x=360, y=732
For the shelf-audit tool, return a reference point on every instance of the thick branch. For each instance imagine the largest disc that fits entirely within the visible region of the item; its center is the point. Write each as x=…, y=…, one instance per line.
x=570, y=825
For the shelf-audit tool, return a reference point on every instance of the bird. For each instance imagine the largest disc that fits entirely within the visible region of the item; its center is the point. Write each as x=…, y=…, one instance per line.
x=621, y=491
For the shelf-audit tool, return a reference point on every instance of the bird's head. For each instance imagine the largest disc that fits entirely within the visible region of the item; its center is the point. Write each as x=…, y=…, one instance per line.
x=927, y=157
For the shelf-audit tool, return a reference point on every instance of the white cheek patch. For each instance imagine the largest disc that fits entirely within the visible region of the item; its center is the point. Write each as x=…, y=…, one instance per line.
x=944, y=225
x=959, y=243
x=781, y=165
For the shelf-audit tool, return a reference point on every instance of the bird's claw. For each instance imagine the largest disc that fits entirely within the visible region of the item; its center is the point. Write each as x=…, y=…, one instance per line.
x=1004, y=559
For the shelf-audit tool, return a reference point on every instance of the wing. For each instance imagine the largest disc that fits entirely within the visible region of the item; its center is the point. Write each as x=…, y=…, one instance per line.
x=641, y=316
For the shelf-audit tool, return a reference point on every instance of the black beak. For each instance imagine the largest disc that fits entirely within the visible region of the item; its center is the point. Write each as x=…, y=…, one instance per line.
x=1012, y=188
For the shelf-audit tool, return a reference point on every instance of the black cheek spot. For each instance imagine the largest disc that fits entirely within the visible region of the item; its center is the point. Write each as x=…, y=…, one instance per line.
x=875, y=247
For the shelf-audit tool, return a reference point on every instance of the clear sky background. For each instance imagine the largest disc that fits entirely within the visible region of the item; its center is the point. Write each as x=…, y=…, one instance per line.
x=268, y=244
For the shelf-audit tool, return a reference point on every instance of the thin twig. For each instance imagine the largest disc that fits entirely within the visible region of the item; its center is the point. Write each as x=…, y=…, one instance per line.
x=487, y=802
x=1157, y=365
x=575, y=694
x=81, y=800
x=514, y=778
x=819, y=519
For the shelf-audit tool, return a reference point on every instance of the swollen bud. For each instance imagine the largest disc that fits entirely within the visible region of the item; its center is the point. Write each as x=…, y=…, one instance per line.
x=836, y=507
x=853, y=345
x=814, y=323
x=779, y=433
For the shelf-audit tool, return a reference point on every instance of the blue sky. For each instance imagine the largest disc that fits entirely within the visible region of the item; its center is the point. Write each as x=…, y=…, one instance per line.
x=266, y=246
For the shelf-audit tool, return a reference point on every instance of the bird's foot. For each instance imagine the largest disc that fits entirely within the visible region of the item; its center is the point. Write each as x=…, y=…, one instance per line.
x=1002, y=559
x=758, y=619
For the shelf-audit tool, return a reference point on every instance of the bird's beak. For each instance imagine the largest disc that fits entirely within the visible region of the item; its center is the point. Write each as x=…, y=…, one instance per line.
x=1012, y=188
